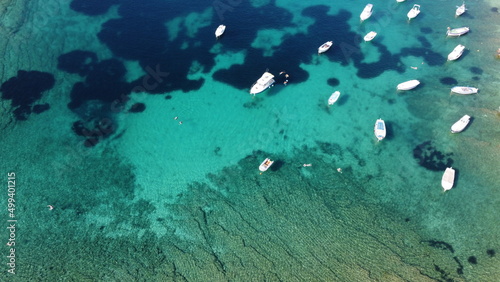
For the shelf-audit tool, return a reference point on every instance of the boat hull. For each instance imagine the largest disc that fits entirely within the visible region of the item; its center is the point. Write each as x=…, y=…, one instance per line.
x=220, y=30
x=456, y=53
x=457, y=31
x=380, y=130
x=461, y=124
x=408, y=85
x=370, y=36
x=448, y=179
x=325, y=47
x=333, y=98
x=266, y=164
x=263, y=83
x=464, y=90
x=413, y=13
x=367, y=12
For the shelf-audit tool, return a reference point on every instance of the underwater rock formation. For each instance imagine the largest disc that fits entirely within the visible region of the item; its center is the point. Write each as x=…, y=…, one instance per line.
x=25, y=89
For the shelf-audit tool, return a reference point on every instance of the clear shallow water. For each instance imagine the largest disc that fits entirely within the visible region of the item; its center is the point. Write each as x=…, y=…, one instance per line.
x=170, y=200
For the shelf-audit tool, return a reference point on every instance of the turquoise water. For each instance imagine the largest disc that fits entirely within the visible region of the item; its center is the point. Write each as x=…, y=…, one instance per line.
x=156, y=200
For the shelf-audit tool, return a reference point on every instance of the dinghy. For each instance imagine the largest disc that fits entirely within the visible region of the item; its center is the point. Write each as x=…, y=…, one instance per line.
x=333, y=98
x=460, y=10
x=456, y=53
x=408, y=85
x=323, y=48
x=379, y=129
x=414, y=12
x=455, y=32
x=448, y=178
x=460, y=125
x=464, y=90
x=370, y=35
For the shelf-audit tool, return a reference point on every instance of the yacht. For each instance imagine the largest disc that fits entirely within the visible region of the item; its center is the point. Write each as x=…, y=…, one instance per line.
x=460, y=10
x=448, y=178
x=333, y=98
x=414, y=12
x=264, y=82
x=456, y=53
x=219, y=31
x=461, y=124
x=457, y=31
x=379, y=129
x=370, y=35
x=464, y=90
x=323, y=48
x=367, y=12
x=408, y=85
x=266, y=164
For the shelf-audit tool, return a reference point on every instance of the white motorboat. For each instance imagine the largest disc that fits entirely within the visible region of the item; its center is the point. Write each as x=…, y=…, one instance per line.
x=408, y=85
x=457, y=31
x=461, y=124
x=460, y=10
x=264, y=82
x=266, y=164
x=323, y=48
x=367, y=12
x=448, y=178
x=379, y=129
x=464, y=90
x=399, y=1
x=333, y=98
x=414, y=12
x=220, y=30
x=370, y=35
x=456, y=53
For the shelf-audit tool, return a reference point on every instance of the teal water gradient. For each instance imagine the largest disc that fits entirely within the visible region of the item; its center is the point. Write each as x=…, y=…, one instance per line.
x=167, y=201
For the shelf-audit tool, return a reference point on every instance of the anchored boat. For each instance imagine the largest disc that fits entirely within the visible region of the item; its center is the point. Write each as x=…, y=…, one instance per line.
x=408, y=85
x=460, y=125
x=448, y=178
x=264, y=82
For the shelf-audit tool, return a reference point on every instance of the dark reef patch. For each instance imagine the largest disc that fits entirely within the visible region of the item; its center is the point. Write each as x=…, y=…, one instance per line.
x=25, y=89
x=40, y=108
x=137, y=108
x=333, y=82
x=104, y=83
x=490, y=252
x=440, y=245
x=476, y=70
x=426, y=30
x=92, y=7
x=448, y=81
x=472, y=260
x=429, y=157
x=78, y=61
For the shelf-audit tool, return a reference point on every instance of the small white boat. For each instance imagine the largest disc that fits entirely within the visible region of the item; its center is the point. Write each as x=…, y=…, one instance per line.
x=461, y=124
x=457, y=31
x=408, y=85
x=333, y=98
x=399, y=1
x=323, y=48
x=456, y=53
x=464, y=90
x=266, y=164
x=379, y=129
x=448, y=179
x=220, y=30
x=367, y=12
x=460, y=10
x=370, y=35
x=414, y=12
x=264, y=82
